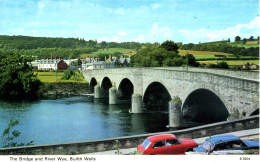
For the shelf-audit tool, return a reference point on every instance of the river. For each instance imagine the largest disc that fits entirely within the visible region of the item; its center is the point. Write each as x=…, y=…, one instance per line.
x=77, y=118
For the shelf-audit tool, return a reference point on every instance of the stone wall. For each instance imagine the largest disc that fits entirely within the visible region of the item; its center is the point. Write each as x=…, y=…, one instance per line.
x=131, y=141
x=64, y=88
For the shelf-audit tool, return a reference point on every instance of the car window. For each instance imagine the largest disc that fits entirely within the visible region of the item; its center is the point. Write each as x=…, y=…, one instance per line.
x=158, y=144
x=208, y=145
x=171, y=142
x=233, y=144
x=146, y=143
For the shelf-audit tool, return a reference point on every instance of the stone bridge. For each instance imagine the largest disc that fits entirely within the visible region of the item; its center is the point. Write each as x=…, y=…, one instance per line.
x=184, y=92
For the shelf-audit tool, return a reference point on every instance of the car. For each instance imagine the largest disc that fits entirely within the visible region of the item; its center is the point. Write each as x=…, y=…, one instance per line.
x=226, y=143
x=166, y=144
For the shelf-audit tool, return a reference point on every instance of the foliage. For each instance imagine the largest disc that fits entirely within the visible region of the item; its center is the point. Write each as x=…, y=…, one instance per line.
x=252, y=151
x=237, y=38
x=9, y=136
x=17, y=78
x=190, y=60
x=70, y=74
x=155, y=57
x=136, y=153
x=222, y=65
x=170, y=46
x=223, y=47
x=117, y=147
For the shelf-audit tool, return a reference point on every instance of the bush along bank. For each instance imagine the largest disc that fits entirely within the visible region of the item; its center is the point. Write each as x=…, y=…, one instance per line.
x=63, y=88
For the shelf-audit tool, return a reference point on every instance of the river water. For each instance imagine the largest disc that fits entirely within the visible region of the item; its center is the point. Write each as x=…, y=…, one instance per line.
x=78, y=118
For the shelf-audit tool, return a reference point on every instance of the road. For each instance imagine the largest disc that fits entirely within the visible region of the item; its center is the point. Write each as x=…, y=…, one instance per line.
x=245, y=134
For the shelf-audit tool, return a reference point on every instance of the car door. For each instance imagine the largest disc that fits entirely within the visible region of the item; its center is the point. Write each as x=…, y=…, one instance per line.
x=173, y=147
x=158, y=148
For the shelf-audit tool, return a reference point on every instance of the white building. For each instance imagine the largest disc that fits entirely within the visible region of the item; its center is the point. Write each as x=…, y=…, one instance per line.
x=52, y=64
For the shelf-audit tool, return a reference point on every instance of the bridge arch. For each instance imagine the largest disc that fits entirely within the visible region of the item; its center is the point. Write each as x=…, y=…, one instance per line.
x=156, y=97
x=125, y=89
x=204, y=106
x=105, y=85
x=92, y=84
x=255, y=112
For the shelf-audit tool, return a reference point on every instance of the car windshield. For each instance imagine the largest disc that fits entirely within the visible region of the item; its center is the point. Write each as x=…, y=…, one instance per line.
x=208, y=145
x=146, y=143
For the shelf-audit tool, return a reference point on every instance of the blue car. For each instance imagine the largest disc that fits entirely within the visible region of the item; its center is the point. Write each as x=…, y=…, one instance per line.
x=226, y=142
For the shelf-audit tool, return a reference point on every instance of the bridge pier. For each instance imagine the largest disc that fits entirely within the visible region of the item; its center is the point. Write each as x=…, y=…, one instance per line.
x=175, y=113
x=97, y=91
x=137, y=103
x=112, y=95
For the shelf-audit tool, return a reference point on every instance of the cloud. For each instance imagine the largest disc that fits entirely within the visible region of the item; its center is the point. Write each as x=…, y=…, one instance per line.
x=120, y=11
x=18, y=30
x=122, y=33
x=253, y=24
x=115, y=39
x=140, y=38
x=204, y=35
x=41, y=4
x=155, y=6
x=105, y=38
x=156, y=34
x=34, y=31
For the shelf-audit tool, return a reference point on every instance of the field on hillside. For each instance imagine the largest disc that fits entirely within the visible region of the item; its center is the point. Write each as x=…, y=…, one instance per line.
x=247, y=45
x=52, y=77
x=251, y=42
x=234, y=62
x=110, y=51
x=203, y=54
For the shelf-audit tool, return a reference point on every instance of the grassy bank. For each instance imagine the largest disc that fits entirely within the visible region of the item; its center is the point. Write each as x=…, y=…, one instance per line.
x=234, y=62
x=52, y=77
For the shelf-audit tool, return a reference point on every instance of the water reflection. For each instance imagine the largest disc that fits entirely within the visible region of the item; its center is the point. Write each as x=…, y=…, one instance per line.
x=67, y=119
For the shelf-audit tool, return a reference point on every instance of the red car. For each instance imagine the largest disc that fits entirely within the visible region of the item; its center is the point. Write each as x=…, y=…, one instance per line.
x=166, y=144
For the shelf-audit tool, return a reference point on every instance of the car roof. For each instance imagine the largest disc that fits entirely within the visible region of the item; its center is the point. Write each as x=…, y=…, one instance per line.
x=222, y=138
x=161, y=137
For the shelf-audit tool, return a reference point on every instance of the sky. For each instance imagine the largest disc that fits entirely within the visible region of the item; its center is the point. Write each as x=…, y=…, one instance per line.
x=186, y=21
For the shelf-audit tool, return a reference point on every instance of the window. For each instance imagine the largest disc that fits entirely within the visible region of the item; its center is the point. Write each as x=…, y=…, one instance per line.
x=158, y=144
x=146, y=143
x=170, y=142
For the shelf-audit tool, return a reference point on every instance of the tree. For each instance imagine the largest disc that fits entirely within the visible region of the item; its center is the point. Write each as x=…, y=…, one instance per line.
x=103, y=45
x=244, y=41
x=190, y=59
x=170, y=46
x=17, y=78
x=9, y=136
x=153, y=57
x=237, y=38
x=223, y=65
x=251, y=38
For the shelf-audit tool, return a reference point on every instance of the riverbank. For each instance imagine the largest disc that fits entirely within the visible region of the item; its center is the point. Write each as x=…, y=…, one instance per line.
x=70, y=88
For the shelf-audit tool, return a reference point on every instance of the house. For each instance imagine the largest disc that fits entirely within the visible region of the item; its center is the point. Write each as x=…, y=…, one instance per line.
x=98, y=65
x=34, y=65
x=254, y=66
x=68, y=62
x=92, y=63
x=56, y=63
x=245, y=66
x=110, y=62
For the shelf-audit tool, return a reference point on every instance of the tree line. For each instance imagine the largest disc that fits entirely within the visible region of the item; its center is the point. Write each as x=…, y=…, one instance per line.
x=166, y=54
x=67, y=48
x=223, y=47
